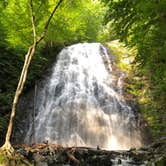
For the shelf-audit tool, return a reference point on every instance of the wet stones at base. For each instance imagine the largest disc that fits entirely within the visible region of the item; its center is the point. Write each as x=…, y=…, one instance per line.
x=55, y=155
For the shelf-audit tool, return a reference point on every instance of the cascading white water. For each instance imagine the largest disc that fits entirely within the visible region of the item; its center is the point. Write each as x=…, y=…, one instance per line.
x=79, y=105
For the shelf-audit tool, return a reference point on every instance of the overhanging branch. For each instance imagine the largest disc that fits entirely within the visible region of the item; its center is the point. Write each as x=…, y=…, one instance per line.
x=32, y=20
x=48, y=21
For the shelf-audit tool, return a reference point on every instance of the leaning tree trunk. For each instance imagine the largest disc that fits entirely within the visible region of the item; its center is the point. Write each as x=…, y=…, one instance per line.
x=28, y=57
x=18, y=92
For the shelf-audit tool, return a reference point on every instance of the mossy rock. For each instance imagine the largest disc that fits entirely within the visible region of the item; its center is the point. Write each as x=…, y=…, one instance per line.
x=13, y=160
x=161, y=162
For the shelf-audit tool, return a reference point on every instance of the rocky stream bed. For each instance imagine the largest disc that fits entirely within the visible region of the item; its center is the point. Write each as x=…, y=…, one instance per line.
x=55, y=155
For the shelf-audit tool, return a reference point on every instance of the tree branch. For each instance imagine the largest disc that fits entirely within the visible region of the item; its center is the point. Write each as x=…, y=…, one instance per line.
x=33, y=20
x=48, y=21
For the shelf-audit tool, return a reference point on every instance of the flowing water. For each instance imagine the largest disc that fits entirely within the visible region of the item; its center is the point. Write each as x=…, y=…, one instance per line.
x=82, y=103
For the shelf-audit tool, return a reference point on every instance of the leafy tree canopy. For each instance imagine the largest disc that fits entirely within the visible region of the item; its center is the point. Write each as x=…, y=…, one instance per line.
x=141, y=25
x=76, y=20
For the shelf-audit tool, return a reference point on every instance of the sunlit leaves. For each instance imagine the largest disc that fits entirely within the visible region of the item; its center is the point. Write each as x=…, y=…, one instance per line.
x=74, y=21
x=15, y=19
x=77, y=22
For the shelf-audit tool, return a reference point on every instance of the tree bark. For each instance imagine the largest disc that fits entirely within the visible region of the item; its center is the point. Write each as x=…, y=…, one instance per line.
x=27, y=61
x=18, y=92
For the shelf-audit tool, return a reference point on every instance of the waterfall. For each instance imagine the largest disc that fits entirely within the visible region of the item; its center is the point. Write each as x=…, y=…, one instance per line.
x=80, y=104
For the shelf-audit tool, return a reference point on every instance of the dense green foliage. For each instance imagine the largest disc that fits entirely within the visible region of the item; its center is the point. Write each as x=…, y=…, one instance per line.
x=141, y=25
x=74, y=21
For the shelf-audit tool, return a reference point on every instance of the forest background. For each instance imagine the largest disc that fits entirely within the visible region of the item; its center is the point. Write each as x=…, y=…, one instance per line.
x=136, y=26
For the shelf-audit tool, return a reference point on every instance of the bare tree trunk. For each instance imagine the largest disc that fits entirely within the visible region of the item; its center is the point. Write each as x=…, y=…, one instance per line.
x=28, y=58
x=18, y=92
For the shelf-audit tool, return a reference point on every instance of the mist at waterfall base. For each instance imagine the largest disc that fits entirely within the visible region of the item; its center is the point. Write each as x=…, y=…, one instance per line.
x=80, y=104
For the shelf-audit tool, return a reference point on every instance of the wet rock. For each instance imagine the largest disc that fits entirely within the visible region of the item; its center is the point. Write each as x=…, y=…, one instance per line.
x=38, y=159
x=55, y=155
x=119, y=161
x=22, y=152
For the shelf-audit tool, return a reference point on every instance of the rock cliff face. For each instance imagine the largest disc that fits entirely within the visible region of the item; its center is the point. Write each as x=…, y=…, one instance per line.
x=26, y=112
x=23, y=117
x=26, y=107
